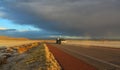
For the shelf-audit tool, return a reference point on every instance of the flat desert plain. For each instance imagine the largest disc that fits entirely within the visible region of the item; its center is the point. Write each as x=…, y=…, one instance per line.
x=112, y=44
x=10, y=43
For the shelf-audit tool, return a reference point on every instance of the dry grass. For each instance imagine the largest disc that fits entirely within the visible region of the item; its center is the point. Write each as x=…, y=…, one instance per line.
x=32, y=57
x=9, y=43
x=52, y=64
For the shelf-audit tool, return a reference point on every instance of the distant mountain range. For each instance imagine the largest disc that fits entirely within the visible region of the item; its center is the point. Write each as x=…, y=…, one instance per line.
x=11, y=38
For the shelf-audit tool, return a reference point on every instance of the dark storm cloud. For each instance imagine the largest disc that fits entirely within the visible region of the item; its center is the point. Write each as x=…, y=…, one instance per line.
x=27, y=34
x=72, y=17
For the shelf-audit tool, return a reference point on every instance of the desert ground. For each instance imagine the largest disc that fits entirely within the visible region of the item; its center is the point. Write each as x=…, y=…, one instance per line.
x=104, y=55
x=10, y=43
x=102, y=43
x=25, y=54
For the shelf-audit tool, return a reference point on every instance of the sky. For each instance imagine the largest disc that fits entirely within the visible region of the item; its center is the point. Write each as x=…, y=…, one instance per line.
x=7, y=24
x=69, y=18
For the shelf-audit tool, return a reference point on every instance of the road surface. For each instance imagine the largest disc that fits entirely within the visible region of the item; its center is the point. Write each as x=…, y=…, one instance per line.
x=100, y=57
x=69, y=62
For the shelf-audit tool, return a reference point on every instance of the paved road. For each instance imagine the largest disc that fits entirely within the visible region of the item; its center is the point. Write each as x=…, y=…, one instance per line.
x=69, y=62
x=101, y=57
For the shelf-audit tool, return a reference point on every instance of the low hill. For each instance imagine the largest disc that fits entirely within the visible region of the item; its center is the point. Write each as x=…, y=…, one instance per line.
x=11, y=38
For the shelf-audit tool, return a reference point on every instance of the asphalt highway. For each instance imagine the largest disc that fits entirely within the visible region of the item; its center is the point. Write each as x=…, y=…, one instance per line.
x=101, y=57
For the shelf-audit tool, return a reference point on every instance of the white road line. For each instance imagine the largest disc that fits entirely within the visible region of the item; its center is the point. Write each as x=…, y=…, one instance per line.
x=96, y=59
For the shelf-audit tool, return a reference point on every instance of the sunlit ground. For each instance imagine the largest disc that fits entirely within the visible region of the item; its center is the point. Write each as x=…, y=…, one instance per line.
x=9, y=43
x=112, y=44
